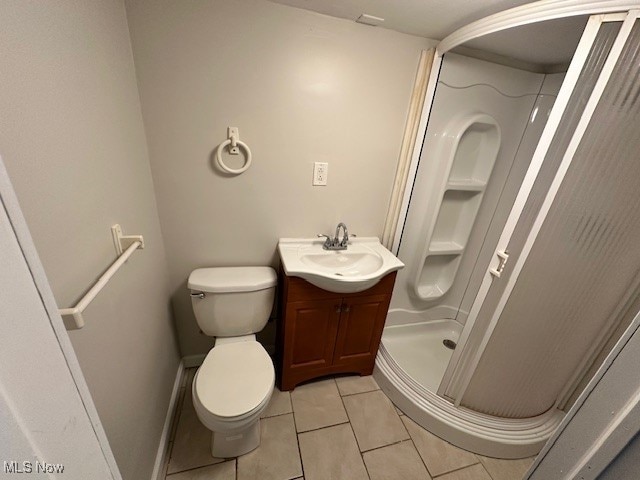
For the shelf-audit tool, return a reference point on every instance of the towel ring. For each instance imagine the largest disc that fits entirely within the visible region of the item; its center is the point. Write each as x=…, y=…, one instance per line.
x=223, y=166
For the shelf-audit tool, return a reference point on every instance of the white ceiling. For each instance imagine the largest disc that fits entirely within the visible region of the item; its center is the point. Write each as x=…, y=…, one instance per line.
x=427, y=18
x=548, y=43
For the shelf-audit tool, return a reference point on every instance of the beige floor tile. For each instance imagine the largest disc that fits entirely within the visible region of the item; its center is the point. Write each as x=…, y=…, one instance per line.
x=506, y=469
x=191, y=445
x=331, y=454
x=279, y=404
x=356, y=384
x=439, y=456
x=398, y=411
x=475, y=472
x=317, y=405
x=374, y=420
x=394, y=462
x=277, y=457
x=221, y=471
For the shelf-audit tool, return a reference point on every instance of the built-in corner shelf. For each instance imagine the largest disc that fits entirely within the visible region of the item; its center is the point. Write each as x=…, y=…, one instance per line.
x=473, y=142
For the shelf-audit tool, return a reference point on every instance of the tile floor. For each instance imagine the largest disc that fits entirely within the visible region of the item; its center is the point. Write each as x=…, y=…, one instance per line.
x=332, y=429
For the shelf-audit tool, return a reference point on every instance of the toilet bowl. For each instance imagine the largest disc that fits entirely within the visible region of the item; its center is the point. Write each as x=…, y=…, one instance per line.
x=235, y=382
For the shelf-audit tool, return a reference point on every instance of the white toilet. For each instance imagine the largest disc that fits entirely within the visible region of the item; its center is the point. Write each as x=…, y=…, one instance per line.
x=234, y=384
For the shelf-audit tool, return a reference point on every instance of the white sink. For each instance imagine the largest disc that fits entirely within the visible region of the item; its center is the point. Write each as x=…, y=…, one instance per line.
x=359, y=267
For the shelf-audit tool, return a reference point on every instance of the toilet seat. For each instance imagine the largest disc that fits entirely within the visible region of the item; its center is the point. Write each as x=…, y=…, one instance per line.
x=233, y=384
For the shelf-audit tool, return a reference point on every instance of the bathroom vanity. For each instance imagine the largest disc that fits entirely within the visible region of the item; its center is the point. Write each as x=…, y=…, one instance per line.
x=322, y=332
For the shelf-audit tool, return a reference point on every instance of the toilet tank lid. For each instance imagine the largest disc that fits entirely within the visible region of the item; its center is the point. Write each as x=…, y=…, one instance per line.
x=232, y=279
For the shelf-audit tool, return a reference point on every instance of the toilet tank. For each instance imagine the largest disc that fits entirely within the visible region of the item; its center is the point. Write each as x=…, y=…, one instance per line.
x=232, y=301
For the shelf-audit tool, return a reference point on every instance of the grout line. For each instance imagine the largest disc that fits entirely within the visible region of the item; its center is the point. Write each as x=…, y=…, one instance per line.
x=358, y=393
x=203, y=466
x=421, y=459
x=295, y=429
x=385, y=446
x=461, y=468
x=228, y=460
x=278, y=415
x=355, y=393
x=363, y=393
x=415, y=446
x=484, y=467
x=323, y=427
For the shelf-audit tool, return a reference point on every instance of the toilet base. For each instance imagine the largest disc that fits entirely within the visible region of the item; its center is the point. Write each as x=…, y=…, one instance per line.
x=236, y=442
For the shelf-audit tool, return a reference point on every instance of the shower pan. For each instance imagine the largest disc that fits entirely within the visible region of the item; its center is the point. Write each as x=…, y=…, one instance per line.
x=523, y=202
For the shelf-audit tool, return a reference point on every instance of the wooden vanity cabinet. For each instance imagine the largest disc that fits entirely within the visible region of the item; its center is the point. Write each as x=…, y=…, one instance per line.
x=321, y=332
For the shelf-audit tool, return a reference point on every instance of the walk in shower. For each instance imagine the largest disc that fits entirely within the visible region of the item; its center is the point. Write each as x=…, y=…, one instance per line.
x=518, y=236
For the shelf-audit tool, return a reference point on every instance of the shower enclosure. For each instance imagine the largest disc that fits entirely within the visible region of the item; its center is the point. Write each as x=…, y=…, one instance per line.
x=518, y=239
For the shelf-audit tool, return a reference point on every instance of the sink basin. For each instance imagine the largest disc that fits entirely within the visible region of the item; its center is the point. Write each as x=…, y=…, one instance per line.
x=359, y=267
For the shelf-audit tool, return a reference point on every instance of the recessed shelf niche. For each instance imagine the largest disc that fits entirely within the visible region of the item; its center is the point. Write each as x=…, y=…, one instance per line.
x=471, y=150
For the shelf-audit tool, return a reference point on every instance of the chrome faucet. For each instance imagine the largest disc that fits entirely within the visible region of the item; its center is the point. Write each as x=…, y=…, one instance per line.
x=345, y=235
x=336, y=243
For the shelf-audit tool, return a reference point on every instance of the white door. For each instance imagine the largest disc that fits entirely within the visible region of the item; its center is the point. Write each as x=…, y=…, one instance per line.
x=49, y=427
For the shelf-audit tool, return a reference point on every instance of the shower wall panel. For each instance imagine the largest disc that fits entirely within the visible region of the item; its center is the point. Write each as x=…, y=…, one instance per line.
x=466, y=87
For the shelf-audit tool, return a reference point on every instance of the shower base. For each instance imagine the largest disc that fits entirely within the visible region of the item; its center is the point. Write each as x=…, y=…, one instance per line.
x=419, y=349
x=409, y=367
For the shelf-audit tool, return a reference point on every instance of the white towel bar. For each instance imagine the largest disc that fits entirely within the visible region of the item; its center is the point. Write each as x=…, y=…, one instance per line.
x=132, y=242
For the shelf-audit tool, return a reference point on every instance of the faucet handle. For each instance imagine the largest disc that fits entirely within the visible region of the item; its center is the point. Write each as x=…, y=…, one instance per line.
x=328, y=241
x=347, y=239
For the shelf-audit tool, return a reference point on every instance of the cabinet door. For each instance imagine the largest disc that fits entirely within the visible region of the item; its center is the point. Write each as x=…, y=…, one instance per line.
x=361, y=323
x=310, y=333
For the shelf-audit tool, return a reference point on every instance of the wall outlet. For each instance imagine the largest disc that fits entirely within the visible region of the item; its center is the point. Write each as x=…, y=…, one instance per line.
x=320, y=173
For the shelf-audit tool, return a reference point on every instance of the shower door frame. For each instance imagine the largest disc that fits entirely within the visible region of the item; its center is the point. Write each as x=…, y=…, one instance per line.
x=464, y=362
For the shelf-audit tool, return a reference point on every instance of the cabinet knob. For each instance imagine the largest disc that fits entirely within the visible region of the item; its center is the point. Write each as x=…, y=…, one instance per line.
x=346, y=308
x=338, y=308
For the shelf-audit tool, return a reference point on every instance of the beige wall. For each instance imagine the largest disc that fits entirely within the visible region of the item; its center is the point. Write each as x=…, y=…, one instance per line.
x=301, y=87
x=72, y=138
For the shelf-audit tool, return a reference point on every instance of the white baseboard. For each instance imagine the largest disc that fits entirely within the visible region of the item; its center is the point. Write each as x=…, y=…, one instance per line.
x=191, y=361
x=166, y=430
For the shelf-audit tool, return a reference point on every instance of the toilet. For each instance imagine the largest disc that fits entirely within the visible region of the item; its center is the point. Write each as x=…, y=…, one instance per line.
x=235, y=382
